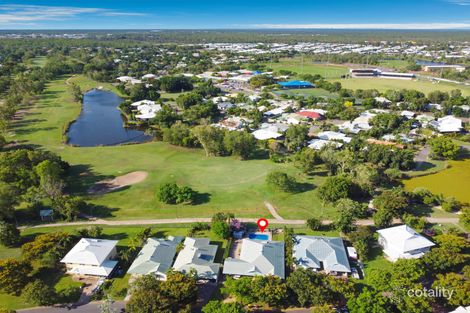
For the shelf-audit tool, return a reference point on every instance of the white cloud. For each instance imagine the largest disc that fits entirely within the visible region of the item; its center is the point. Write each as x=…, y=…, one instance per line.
x=460, y=2
x=366, y=26
x=16, y=13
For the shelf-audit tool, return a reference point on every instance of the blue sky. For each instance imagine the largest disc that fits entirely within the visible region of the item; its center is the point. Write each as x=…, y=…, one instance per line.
x=158, y=14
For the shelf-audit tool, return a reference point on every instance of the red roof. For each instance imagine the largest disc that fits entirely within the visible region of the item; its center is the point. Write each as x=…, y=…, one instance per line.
x=310, y=114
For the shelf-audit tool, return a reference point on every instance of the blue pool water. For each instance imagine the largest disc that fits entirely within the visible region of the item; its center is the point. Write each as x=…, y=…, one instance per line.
x=258, y=236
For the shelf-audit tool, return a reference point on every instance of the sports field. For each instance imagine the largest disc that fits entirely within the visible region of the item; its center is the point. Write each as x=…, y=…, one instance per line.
x=308, y=67
x=224, y=183
x=382, y=84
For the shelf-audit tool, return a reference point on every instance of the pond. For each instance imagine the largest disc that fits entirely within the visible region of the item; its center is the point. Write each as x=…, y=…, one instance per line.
x=101, y=124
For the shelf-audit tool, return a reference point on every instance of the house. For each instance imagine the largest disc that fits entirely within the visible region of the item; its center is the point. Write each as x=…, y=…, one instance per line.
x=447, y=124
x=268, y=131
x=318, y=144
x=402, y=242
x=331, y=135
x=91, y=257
x=257, y=257
x=198, y=255
x=147, y=109
x=321, y=253
x=156, y=257
x=408, y=114
x=461, y=309
x=310, y=114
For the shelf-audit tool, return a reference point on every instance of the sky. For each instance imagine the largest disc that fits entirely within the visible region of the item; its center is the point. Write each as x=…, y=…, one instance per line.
x=238, y=14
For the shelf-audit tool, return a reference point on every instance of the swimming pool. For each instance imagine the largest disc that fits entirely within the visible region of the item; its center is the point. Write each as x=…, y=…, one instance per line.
x=258, y=236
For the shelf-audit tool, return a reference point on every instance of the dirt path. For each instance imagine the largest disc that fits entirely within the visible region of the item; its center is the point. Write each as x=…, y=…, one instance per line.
x=273, y=211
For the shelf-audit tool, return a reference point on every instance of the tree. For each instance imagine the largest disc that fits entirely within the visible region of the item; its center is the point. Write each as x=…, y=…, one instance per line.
x=9, y=234
x=443, y=147
x=175, y=294
x=458, y=284
x=383, y=218
x=281, y=181
x=220, y=307
x=362, y=239
x=39, y=293
x=326, y=308
x=390, y=204
x=306, y=160
x=220, y=229
x=309, y=287
x=242, y=144
x=335, y=188
x=450, y=204
x=13, y=275
x=8, y=199
x=369, y=301
x=314, y=223
x=49, y=247
x=344, y=222
x=240, y=288
x=69, y=206
x=106, y=306
x=211, y=139
x=171, y=193
x=296, y=137
x=270, y=290
x=185, y=101
x=261, y=80
x=179, y=134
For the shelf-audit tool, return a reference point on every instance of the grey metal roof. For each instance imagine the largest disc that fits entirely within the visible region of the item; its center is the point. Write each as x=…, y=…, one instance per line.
x=315, y=251
x=156, y=256
x=257, y=258
x=198, y=254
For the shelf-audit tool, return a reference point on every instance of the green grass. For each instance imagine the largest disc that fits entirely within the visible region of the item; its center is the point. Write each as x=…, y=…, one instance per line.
x=452, y=181
x=39, y=61
x=431, y=167
x=295, y=65
x=382, y=84
x=226, y=184
x=399, y=65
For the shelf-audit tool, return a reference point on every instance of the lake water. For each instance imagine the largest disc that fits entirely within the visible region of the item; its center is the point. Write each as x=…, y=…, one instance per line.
x=101, y=124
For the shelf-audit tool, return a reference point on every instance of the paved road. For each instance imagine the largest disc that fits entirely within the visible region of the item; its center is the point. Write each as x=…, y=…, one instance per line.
x=92, y=307
x=422, y=157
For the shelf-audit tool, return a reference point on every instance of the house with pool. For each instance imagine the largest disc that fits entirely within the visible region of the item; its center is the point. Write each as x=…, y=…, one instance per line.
x=319, y=253
x=258, y=256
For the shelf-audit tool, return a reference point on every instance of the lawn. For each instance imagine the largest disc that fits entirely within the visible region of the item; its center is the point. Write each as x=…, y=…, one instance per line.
x=39, y=61
x=224, y=183
x=452, y=181
x=309, y=67
x=382, y=84
x=399, y=65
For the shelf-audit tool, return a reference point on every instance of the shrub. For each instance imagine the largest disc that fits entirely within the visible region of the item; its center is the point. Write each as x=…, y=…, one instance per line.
x=39, y=293
x=450, y=204
x=9, y=234
x=444, y=147
x=220, y=229
x=314, y=223
x=90, y=231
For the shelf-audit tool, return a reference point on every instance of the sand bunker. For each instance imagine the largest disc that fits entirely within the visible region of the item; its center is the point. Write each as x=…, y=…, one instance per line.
x=117, y=183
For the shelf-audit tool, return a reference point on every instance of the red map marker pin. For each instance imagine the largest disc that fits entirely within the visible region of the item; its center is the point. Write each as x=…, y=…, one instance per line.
x=262, y=224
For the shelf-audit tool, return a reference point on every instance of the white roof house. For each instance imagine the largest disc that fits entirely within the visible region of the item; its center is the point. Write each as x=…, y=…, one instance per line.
x=402, y=242
x=318, y=144
x=199, y=255
x=147, y=109
x=321, y=253
x=461, y=309
x=156, y=257
x=447, y=124
x=267, y=133
x=331, y=135
x=91, y=257
x=257, y=258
